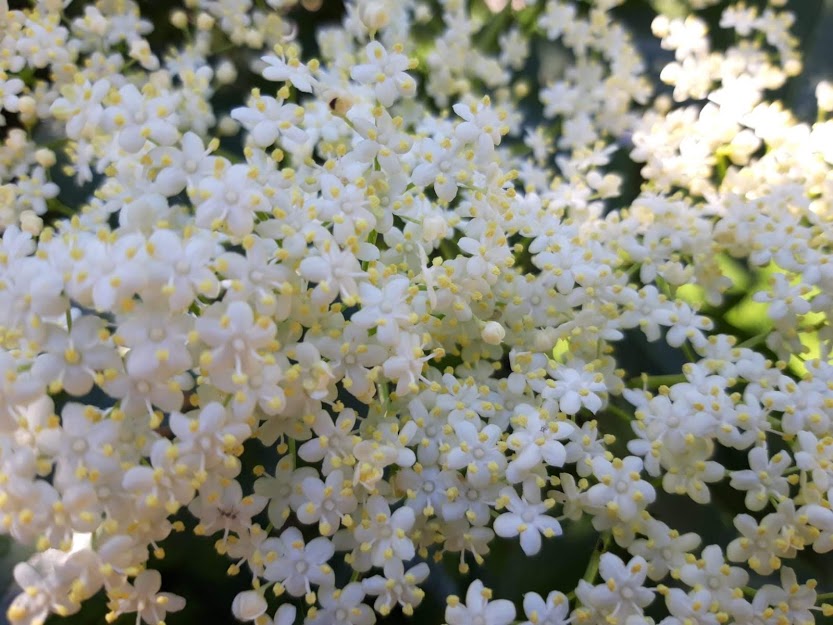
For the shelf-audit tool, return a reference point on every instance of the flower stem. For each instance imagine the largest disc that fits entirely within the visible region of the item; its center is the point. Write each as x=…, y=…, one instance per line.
x=655, y=381
x=593, y=566
x=622, y=414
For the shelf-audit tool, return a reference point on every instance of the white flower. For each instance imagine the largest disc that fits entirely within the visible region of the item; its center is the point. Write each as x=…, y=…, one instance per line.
x=291, y=69
x=479, y=609
x=552, y=611
x=386, y=309
x=526, y=517
x=342, y=606
x=620, y=490
x=224, y=508
x=299, y=566
x=763, y=479
x=72, y=359
x=407, y=363
x=335, y=271
x=164, y=486
x=229, y=200
x=477, y=451
x=791, y=600
x=382, y=535
x=327, y=502
x=397, y=587
x=720, y=580
x=143, y=597
x=34, y=190
x=535, y=439
x=578, y=388
x=84, y=447
x=136, y=118
x=80, y=106
x=266, y=119
x=386, y=72
x=623, y=593
x=234, y=337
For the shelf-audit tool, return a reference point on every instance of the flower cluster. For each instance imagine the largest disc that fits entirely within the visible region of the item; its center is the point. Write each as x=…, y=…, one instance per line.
x=410, y=291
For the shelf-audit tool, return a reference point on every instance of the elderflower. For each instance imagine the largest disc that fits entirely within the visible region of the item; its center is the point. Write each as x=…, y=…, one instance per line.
x=395, y=305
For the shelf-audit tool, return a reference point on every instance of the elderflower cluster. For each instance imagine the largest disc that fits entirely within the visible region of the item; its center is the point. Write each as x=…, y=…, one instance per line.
x=381, y=271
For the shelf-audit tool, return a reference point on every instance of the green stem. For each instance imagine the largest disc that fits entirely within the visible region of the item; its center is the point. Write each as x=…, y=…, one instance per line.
x=622, y=414
x=488, y=37
x=372, y=240
x=755, y=340
x=56, y=206
x=824, y=596
x=655, y=381
x=384, y=396
x=593, y=566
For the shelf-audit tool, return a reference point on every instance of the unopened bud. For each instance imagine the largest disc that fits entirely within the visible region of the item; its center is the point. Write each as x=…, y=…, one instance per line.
x=227, y=126
x=179, y=19
x=226, y=73
x=205, y=21
x=824, y=96
x=434, y=228
x=45, y=157
x=30, y=222
x=248, y=605
x=374, y=15
x=492, y=333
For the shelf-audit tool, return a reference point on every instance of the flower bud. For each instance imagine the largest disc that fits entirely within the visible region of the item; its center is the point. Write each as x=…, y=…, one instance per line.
x=227, y=126
x=824, y=96
x=492, y=333
x=205, y=21
x=226, y=73
x=30, y=222
x=45, y=157
x=434, y=228
x=248, y=605
x=374, y=15
x=179, y=19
